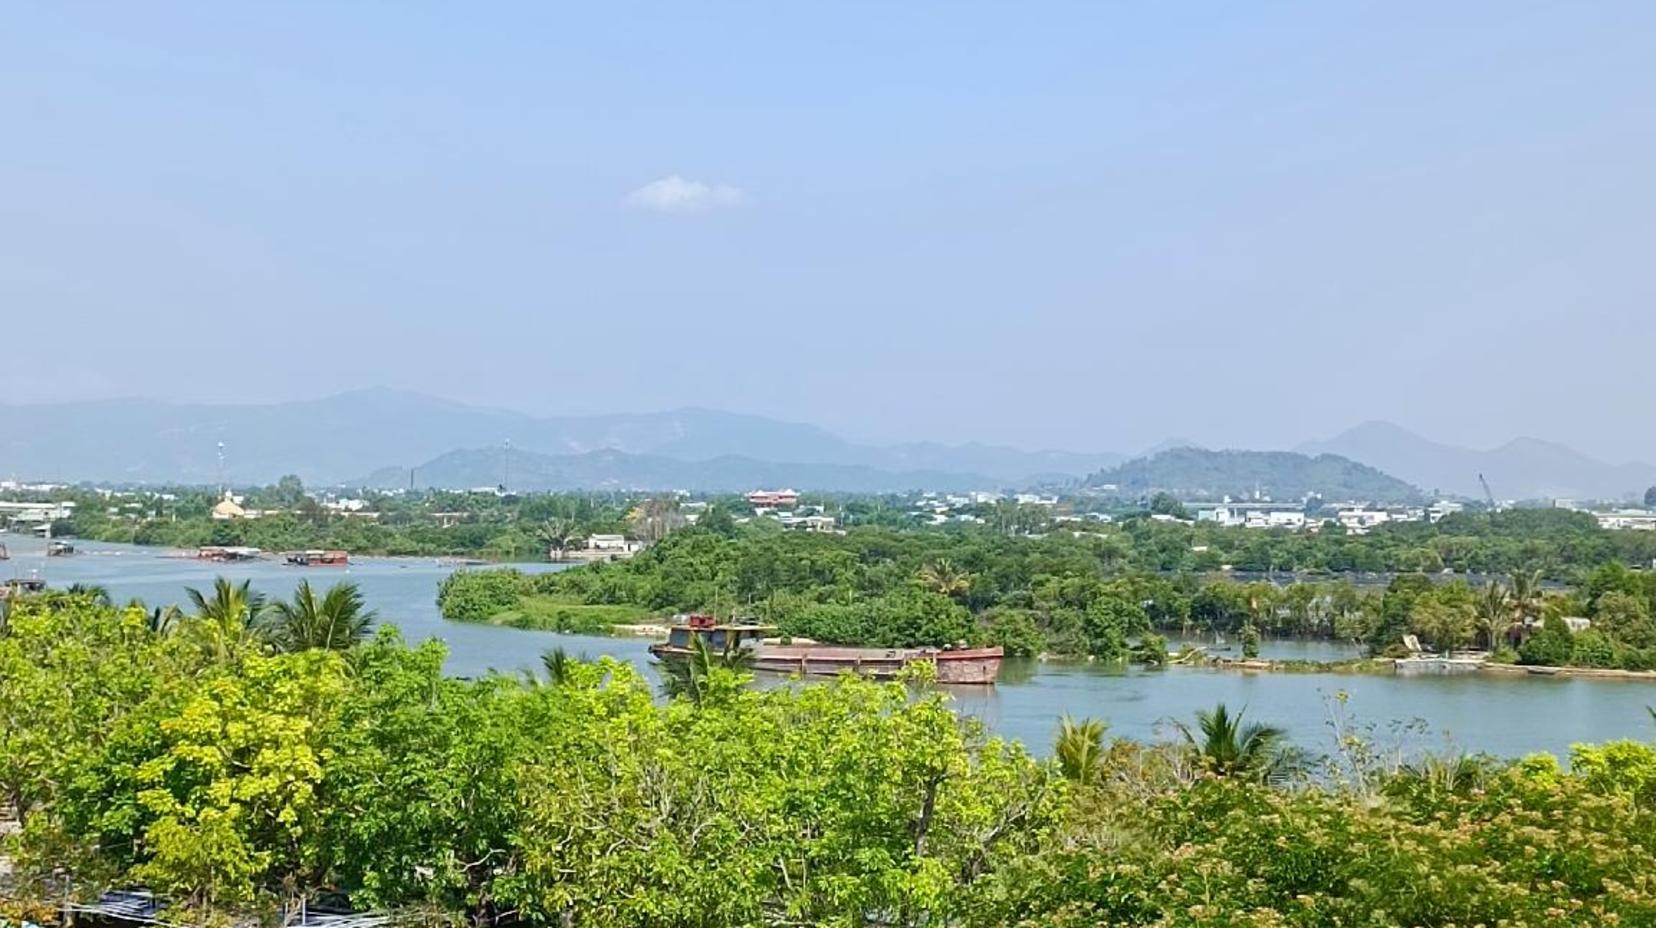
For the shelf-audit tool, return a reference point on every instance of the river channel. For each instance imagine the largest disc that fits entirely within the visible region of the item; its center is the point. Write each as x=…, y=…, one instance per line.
x=1503, y=715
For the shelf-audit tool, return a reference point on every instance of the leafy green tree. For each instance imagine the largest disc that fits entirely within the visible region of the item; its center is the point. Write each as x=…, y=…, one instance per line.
x=232, y=796
x=1446, y=625
x=1551, y=645
x=1166, y=504
x=1650, y=498
x=1250, y=641
x=1625, y=617
x=1151, y=650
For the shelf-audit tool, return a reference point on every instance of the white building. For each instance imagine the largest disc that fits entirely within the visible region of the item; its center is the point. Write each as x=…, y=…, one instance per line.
x=1637, y=520
x=1441, y=508
x=1252, y=515
x=1358, y=521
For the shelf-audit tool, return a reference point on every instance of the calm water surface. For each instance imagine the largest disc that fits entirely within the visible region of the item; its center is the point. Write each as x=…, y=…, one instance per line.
x=1508, y=716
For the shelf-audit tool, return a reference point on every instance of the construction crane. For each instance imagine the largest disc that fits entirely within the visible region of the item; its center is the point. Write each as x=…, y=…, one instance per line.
x=1487, y=493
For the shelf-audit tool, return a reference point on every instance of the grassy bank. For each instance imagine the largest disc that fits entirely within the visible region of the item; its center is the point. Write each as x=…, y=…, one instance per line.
x=562, y=614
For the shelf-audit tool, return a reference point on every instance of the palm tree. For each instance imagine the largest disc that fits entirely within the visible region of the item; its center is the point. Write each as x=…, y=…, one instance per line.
x=556, y=534
x=560, y=667
x=1526, y=597
x=335, y=622
x=941, y=576
x=164, y=619
x=1080, y=748
x=98, y=594
x=1229, y=748
x=1436, y=775
x=1494, y=613
x=229, y=618
x=690, y=676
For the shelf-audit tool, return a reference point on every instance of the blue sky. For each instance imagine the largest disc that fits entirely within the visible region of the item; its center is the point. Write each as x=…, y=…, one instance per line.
x=1068, y=225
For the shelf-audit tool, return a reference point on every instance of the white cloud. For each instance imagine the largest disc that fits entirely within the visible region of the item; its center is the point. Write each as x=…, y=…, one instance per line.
x=674, y=194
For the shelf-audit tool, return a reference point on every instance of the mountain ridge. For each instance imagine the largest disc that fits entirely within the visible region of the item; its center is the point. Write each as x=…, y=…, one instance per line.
x=1520, y=468
x=340, y=437
x=1197, y=473
x=610, y=469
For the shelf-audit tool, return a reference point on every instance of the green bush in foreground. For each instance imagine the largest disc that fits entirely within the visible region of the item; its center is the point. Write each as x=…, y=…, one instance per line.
x=238, y=780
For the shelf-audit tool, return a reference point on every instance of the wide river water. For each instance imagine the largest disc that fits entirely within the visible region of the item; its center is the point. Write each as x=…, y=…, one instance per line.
x=1502, y=715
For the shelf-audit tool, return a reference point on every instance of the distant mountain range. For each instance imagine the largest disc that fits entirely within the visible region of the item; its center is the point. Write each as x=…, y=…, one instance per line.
x=341, y=438
x=620, y=470
x=1524, y=468
x=1196, y=473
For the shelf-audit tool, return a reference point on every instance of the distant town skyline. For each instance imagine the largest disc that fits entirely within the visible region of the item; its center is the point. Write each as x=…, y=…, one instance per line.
x=1071, y=226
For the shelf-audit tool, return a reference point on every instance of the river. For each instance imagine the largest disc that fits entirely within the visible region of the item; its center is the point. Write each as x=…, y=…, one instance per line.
x=1502, y=715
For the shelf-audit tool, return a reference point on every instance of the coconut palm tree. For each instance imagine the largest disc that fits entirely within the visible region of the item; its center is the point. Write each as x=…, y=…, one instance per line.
x=1527, y=597
x=98, y=594
x=559, y=665
x=1229, y=748
x=163, y=620
x=941, y=576
x=691, y=676
x=335, y=622
x=1441, y=776
x=228, y=619
x=1080, y=748
x=1494, y=613
x=556, y=534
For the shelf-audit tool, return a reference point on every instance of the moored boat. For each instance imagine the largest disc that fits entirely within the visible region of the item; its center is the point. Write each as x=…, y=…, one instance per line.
x=226, y=553
x=953, y=664
x=18, y=586
x=318, y=559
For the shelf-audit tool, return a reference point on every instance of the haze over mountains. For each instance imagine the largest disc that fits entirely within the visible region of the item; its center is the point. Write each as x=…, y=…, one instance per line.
x=376, y=436
x=352, y=435
x=1524, y=468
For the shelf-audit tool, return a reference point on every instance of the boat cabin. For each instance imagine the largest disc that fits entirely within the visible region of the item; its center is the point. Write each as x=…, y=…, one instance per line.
x=718, y=636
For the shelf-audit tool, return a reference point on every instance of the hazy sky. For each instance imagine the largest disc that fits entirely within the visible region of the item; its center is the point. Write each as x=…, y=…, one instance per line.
x=1090, y=226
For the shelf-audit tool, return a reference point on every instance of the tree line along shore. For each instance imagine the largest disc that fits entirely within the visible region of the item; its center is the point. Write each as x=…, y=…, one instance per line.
x=1087, y=595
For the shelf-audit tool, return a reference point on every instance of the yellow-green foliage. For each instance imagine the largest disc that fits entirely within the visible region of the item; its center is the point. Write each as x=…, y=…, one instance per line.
x=236, y=779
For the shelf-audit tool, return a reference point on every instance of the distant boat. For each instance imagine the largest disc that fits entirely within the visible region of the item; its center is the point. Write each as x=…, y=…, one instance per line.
x=4, y=554
x=21, y=585
x=954, y=665
x=59, y=549
x=318, y=559
x=227, y=553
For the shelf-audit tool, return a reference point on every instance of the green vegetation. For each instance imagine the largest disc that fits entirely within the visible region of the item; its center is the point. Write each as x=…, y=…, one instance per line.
x=239, y=781
x=1196, y=473
x=429, y=523
x=1083, y=595
x=530, y=601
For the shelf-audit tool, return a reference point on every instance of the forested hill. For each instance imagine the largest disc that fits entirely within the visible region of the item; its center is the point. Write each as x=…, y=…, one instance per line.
x=1195, y=473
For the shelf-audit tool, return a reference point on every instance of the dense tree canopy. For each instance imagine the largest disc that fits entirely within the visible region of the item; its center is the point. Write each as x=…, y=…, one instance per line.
x=238, y=781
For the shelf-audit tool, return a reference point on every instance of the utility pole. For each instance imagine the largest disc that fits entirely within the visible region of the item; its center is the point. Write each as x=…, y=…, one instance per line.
x=506, y=475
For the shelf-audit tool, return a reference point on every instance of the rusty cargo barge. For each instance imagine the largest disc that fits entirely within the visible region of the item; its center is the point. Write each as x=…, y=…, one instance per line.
x=954, y=664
